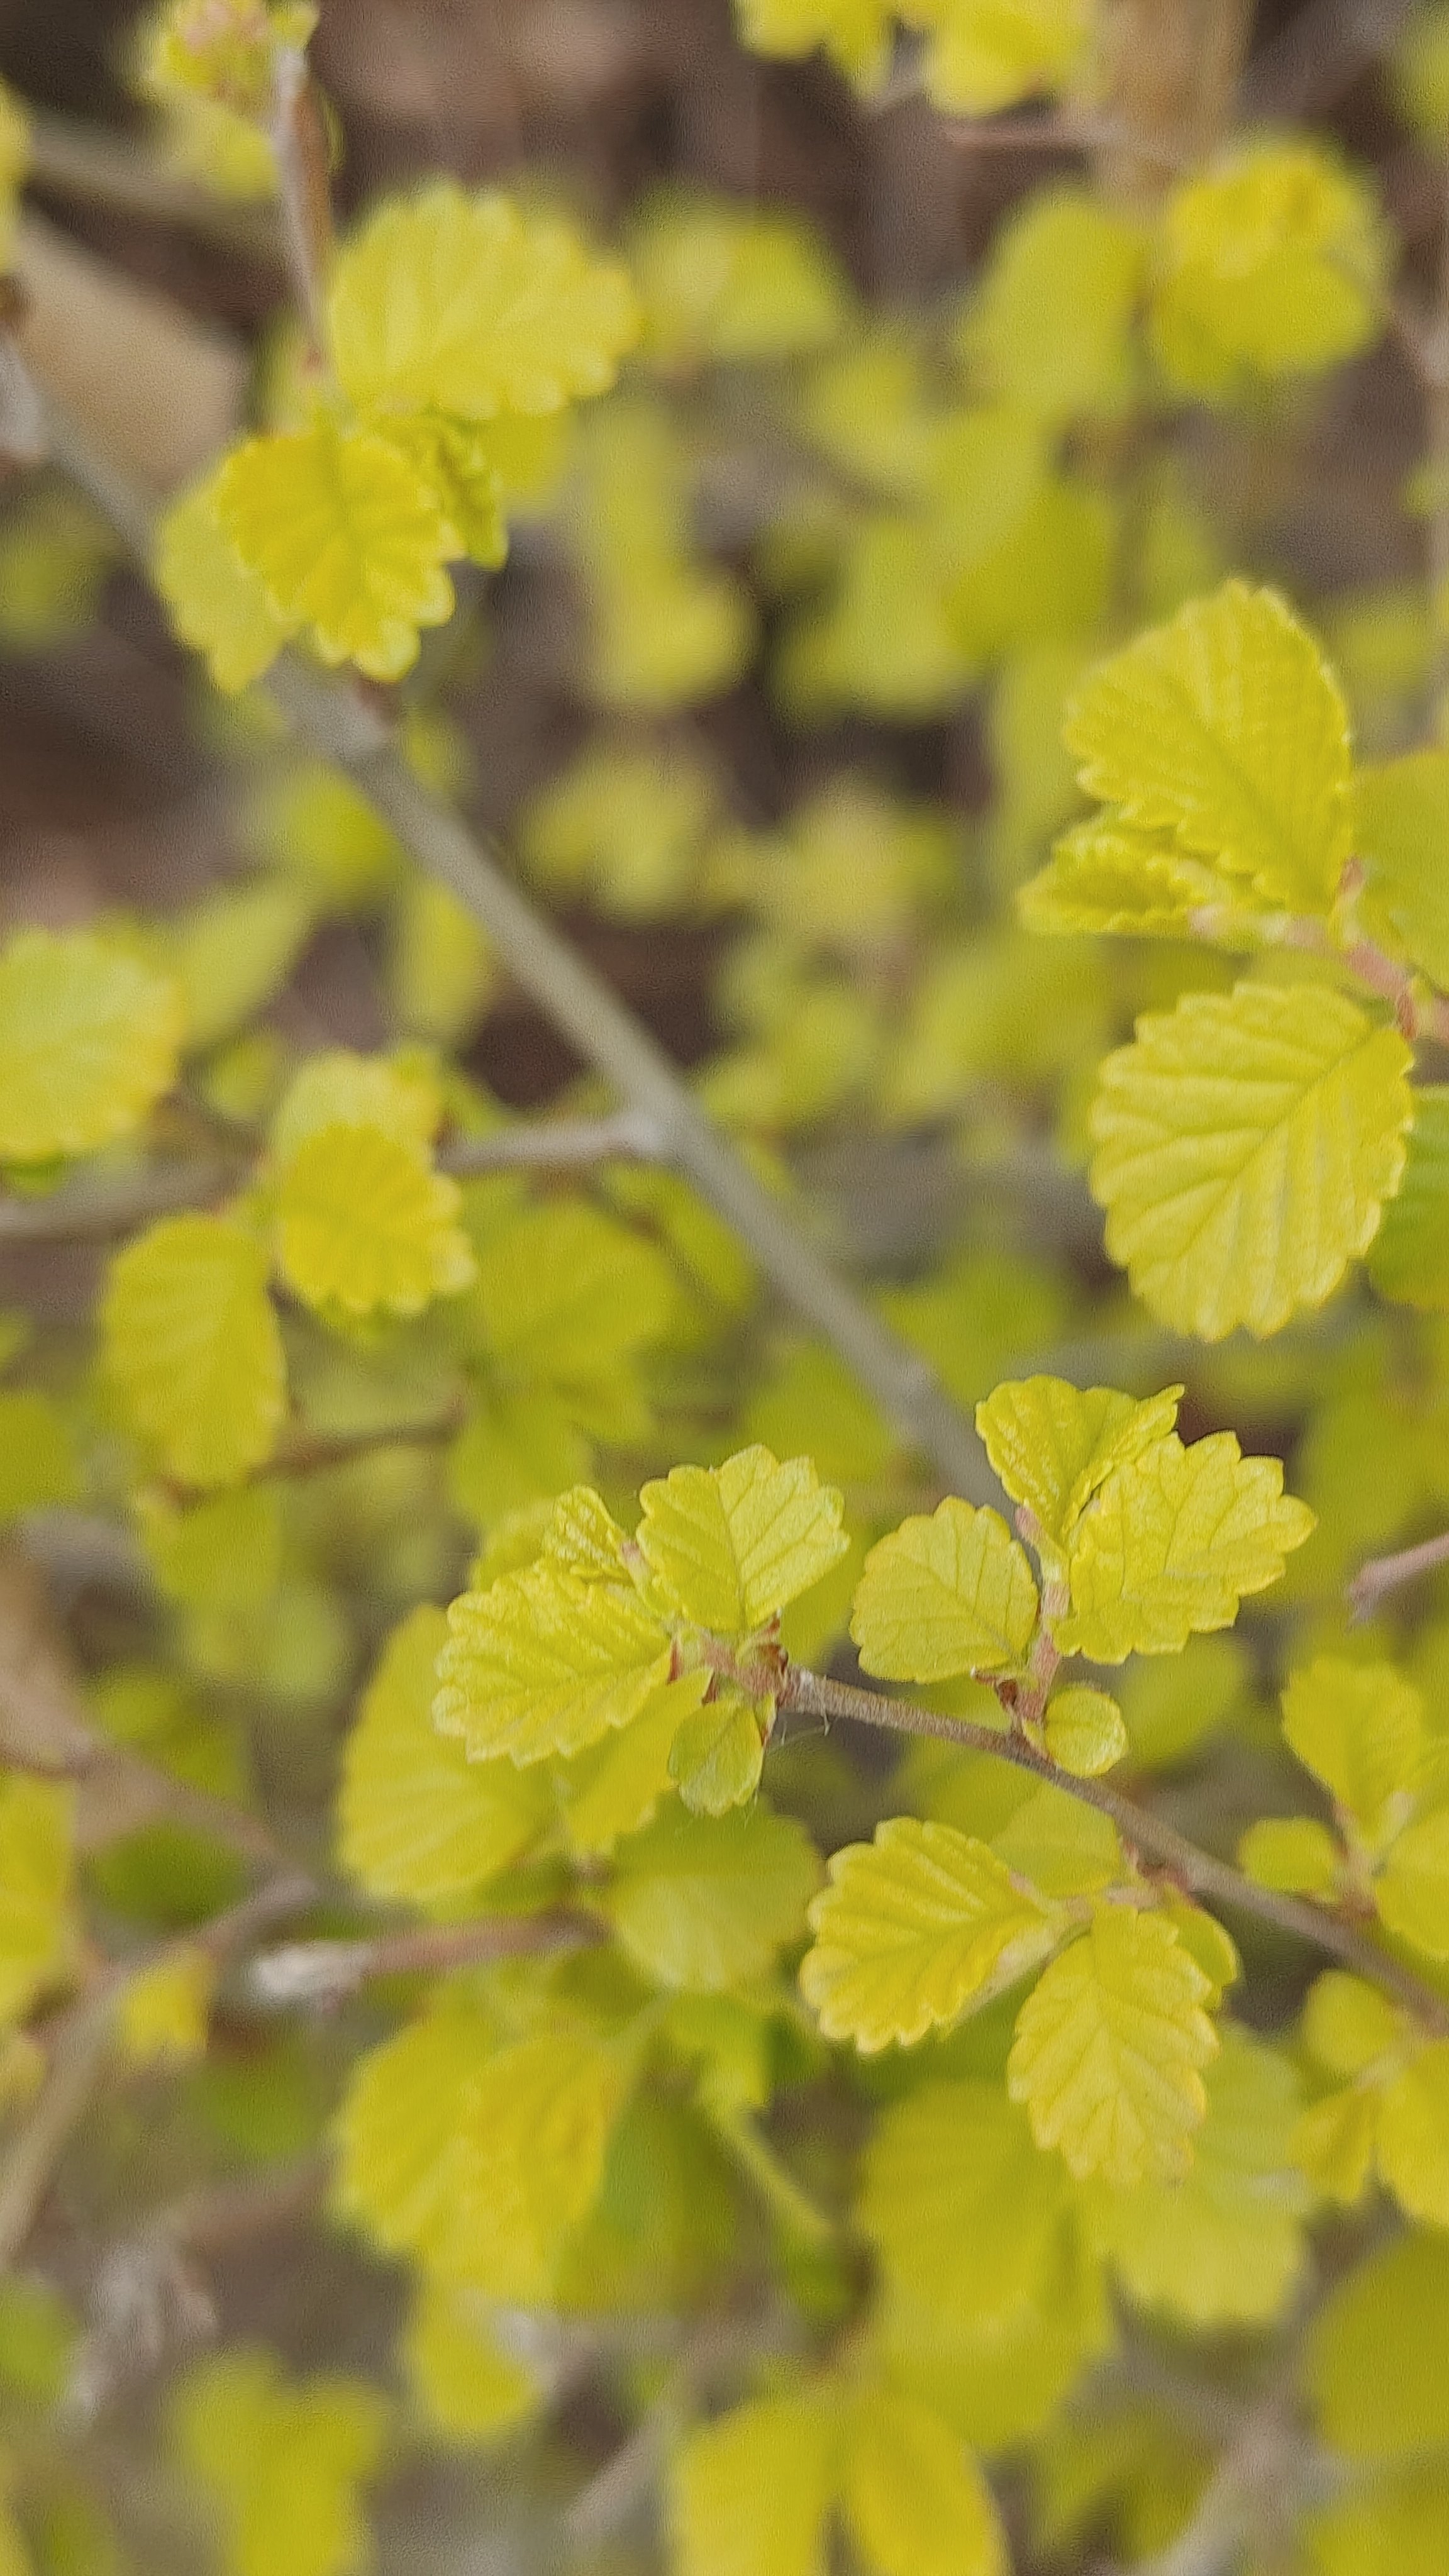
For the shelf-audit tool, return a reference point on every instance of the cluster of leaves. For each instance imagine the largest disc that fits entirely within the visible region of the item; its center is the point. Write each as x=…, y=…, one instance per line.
x=890, y=2104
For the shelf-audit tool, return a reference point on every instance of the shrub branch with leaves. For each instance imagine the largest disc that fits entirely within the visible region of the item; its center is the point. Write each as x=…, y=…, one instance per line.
x=745, y=1988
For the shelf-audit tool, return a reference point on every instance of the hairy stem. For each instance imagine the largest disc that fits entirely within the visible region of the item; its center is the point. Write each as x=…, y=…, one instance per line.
x=812, y=1695
x=336, y=723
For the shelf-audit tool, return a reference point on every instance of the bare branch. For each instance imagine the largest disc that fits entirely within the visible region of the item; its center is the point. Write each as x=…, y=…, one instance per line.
x=325, y=1973
x=1382, y=1575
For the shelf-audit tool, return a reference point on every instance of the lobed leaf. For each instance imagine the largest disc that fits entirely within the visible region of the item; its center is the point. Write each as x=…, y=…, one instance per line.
x=88, y=1043
x=1172, y=1544
x=1226, y=728
x=193, y=1346
x=1246, y=1143
x=364, y=1224
x=945, y=1595
x=544, y=1663
x=1053, y=1444
x=346, y=536
x=465, y=304
x=730, y=1546
x=914, y=1927
x=1109, y=2051
x=417, y=1819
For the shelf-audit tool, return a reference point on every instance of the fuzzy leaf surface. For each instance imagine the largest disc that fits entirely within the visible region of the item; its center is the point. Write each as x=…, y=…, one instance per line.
x=463, y=304
x=1246, y=1143
x=88, y=1044
x=544, y=1663
x=192, y=1342
x=913, y=1927
x=731, y=1545
x=1172, y=1543
x=946, y=1595
x=1226, y=728
x=1110, y=2049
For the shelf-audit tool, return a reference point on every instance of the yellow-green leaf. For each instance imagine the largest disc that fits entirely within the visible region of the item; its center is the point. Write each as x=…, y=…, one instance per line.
x=914, y=2498
x=1172, y=1543
x=1374, y=2353
x=88, y=1044
x=1413, y=2136
x=718, y=1754
x=218, y=605
x=193, y=1346
x=417, y=1819
x=961, y=2208
x=1246, y=1143
x=1359, y=1728
x=983, y=55
x=614, y=1788
x=857, y=34
x=35, y=1888
x=530, y=2159
x=472, y=2387
x=287, y=2461
x=1085, y=1731
x=706, y=1902
x=1295, y=1853
x=399, y=2129
x=1271, y=261
x=749, y=2494
x=1108, y=876
x=545, y=1662
x=1109, y=2051
x=1051, y=331
x=1409, y=1259
x=1053, y=1444
x=364, y=1223
x=347, y=538
x=729, y=1546
x=1412, y=1890
x=914, y=1927
x=945, y=1595
x=1226, y=2245
x=1401, y=814
x=1227, y=729
x=455, y=303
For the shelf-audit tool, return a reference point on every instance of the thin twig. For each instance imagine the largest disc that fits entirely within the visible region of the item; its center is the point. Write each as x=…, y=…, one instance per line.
x=299, y=140
x=327, y=1972
x=82, y=2044
x=1382, y=1575
x=812, y=1695
x=344, y=730
x=94, y=1209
